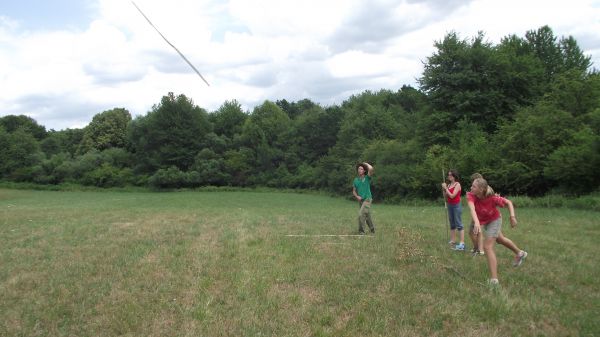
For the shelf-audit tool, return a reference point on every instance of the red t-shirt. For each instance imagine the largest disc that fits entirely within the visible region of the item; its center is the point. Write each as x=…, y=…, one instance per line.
x=456, y=199
x=486, y=208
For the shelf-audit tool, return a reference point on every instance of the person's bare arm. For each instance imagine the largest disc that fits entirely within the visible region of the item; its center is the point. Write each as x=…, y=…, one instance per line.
x=511, y=211
x=370, y=169
x=356, y=194
x=476, y=224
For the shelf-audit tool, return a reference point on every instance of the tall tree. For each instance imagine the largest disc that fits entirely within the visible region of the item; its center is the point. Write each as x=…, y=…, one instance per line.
x=12, y=123
x=556, y=56
x=543, y=45
x=171, y=134
x=463, y=79
x=315, y=132
x=229, y=119
x=20, y=151
x=525, y=144
x=106, y=130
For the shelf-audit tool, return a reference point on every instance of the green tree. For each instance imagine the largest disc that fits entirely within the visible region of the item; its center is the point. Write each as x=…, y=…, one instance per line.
x=264, y=133
x=396, y=171
x=575, y=92
x=543, y=45
x=315, y=132
x=574, y=165
x=523, y=73
x=295, y=109
x=19, y=153
x=4, y=155
x=525, y=144
x=367, y=117
x=470, y=150
x=68, y=141
x=211, y=169
x=466, y=80
x=557, y=57
x=13, y=123
x=169, y=135
x=229, y=119
x=239, y=164
x=573, y=57
x=270, y=120
x=107, y=129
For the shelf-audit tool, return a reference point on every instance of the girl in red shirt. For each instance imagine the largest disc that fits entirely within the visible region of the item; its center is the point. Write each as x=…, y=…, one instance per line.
x=482, y=204
x=452, y=192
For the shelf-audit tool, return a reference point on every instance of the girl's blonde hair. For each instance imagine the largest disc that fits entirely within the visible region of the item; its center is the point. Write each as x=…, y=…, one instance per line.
x=483, y=184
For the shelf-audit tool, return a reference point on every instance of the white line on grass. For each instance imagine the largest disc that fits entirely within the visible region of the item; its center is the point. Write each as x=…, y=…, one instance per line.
x=329, y=235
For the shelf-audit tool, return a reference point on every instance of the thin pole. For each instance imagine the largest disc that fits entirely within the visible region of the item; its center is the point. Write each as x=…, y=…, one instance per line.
x=170, y=44
x=445, y=207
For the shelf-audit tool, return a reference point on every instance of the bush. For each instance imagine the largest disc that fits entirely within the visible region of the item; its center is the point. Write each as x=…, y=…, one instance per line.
x=587, y=202
x=108, y=176
x=168, y=178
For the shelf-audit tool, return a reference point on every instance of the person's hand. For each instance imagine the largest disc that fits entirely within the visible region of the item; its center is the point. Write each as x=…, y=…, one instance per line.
x=359, y=198
x=444, y=186
x=476, y=229
x=513, y=221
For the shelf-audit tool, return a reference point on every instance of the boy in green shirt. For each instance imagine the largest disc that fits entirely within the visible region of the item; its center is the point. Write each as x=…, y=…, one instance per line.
x=362, y=192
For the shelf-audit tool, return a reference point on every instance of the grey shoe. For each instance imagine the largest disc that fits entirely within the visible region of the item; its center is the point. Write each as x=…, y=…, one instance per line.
x=493, y=282
x=520, y=258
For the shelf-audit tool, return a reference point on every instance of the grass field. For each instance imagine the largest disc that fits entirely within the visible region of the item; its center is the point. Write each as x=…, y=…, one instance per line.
x=221, y=264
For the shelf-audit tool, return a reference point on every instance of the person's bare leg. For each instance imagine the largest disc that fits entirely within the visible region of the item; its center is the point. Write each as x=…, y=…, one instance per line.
x=488, y=246
x=506, y=242
x=475, y=241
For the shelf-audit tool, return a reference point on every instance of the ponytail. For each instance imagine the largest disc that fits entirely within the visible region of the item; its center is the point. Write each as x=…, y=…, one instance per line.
x=483, y=184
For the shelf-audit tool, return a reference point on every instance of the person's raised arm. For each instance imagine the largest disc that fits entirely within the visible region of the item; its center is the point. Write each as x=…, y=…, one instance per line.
x=370, y=169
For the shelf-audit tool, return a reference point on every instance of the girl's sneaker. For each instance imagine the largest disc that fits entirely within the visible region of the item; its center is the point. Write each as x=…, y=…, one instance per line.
x=494, y=284
x=520, y=258
x=476, y=252
x=460, y=246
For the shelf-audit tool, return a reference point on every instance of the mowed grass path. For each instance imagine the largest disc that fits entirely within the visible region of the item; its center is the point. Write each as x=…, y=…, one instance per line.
x=220, y=264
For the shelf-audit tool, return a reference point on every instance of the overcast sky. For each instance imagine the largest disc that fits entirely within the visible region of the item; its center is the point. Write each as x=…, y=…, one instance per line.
x=64, y=61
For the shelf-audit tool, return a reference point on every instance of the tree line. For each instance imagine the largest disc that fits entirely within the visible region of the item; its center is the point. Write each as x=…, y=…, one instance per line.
x=524, y=112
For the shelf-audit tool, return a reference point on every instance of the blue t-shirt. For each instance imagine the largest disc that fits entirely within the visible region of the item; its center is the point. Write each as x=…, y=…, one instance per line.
x=363, y=187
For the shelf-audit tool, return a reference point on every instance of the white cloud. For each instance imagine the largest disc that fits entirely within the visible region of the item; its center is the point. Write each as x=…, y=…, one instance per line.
x=324, y=50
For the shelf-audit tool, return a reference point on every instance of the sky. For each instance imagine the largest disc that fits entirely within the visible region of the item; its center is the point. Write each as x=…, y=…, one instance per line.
x=64, y=61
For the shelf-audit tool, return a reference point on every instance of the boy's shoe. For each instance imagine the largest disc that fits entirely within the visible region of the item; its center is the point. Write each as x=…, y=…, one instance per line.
x=520, y=258
x=480, y=252
x=460, y=246
x=474, y=252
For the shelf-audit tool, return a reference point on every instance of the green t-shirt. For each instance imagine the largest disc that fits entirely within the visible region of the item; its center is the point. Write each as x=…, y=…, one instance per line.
x=363, y=187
